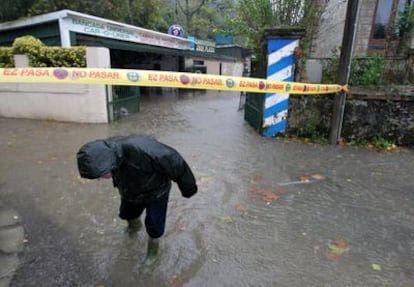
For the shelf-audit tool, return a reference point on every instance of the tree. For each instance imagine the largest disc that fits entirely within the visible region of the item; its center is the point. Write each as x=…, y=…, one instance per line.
x=143, y=13
x=14, y=9
x=190, y=10
x=255, y=16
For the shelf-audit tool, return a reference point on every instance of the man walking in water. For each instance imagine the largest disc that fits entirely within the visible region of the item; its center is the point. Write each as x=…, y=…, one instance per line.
x=142, y=169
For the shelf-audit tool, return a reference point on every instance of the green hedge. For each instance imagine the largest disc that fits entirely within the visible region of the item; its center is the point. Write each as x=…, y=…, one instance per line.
x=42, y=56
x=6, y=58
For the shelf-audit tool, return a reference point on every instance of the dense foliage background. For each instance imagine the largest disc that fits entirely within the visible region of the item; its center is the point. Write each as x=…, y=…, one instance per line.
x=245, y=19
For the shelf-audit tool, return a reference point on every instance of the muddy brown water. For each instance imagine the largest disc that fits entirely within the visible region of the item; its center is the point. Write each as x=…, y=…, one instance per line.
x=268, y=212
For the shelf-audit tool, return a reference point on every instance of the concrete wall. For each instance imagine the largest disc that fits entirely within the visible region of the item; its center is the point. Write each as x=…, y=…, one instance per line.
x=232, y=69
x=228, y=68
x=331, y=28
x=73, y=103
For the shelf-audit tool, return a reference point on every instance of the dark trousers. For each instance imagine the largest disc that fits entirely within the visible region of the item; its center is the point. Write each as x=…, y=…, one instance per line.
x=155, y=213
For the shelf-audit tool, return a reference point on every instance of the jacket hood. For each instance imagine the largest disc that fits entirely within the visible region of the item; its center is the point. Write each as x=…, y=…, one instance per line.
x=95, y=159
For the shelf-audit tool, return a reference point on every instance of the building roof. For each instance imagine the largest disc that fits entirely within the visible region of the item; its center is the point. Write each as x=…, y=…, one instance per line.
x=137, y=32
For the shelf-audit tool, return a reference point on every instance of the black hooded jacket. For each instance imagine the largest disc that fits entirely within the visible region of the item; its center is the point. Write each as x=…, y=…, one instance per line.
x=140, y=166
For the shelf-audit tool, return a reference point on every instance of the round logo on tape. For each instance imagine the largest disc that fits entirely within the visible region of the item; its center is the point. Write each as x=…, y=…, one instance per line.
x=60, y=74
x=133, y=77
x=229, y=83
x=262, y=85
x=184, y=79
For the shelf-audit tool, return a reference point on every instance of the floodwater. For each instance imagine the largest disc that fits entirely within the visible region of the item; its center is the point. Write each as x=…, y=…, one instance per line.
x=268, y=212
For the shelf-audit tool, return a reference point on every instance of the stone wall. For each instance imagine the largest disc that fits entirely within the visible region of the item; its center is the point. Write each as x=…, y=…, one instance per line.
x=367, y=115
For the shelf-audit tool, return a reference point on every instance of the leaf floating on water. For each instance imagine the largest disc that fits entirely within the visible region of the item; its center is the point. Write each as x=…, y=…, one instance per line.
x=240, y=207
x=226, y=219
x=256, y=178
x=318, y=176
x=340, y=243
x=175, y=281
x=376, y=267
x=180, y=226
x=270, y=196
x=338, y=247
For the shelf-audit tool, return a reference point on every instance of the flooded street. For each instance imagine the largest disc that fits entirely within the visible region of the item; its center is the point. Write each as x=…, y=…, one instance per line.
x=268, y=212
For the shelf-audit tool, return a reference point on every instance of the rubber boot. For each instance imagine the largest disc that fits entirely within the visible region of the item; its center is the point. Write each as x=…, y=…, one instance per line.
x=134, y=225
x=152, y=256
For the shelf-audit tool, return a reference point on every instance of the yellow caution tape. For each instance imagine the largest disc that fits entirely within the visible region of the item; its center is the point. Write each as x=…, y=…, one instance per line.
x=149, y=78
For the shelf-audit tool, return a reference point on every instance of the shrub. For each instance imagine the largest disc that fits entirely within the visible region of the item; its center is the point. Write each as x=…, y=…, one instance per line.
x=365, y=71
x=27, y=45
x=6, y=58
x=43, y=56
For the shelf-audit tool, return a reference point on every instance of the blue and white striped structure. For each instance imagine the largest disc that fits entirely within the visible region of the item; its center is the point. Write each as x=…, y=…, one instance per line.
x=280, y=67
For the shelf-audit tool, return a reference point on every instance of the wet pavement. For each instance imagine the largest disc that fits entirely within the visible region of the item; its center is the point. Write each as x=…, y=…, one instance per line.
x=268, y=212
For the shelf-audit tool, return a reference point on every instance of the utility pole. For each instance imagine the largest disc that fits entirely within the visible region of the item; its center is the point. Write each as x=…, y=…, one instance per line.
x=344, y=69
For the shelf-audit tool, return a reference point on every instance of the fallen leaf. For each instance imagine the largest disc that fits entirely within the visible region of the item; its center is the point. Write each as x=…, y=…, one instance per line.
x=226, y=219
x=240, y=207
x=256, y=178
x=304, y=178
x=180, y=226
x=376, y=267
x=270, y=196
x=340, y=243
x=176, y=281
x=338, y=247
x=318, y=176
